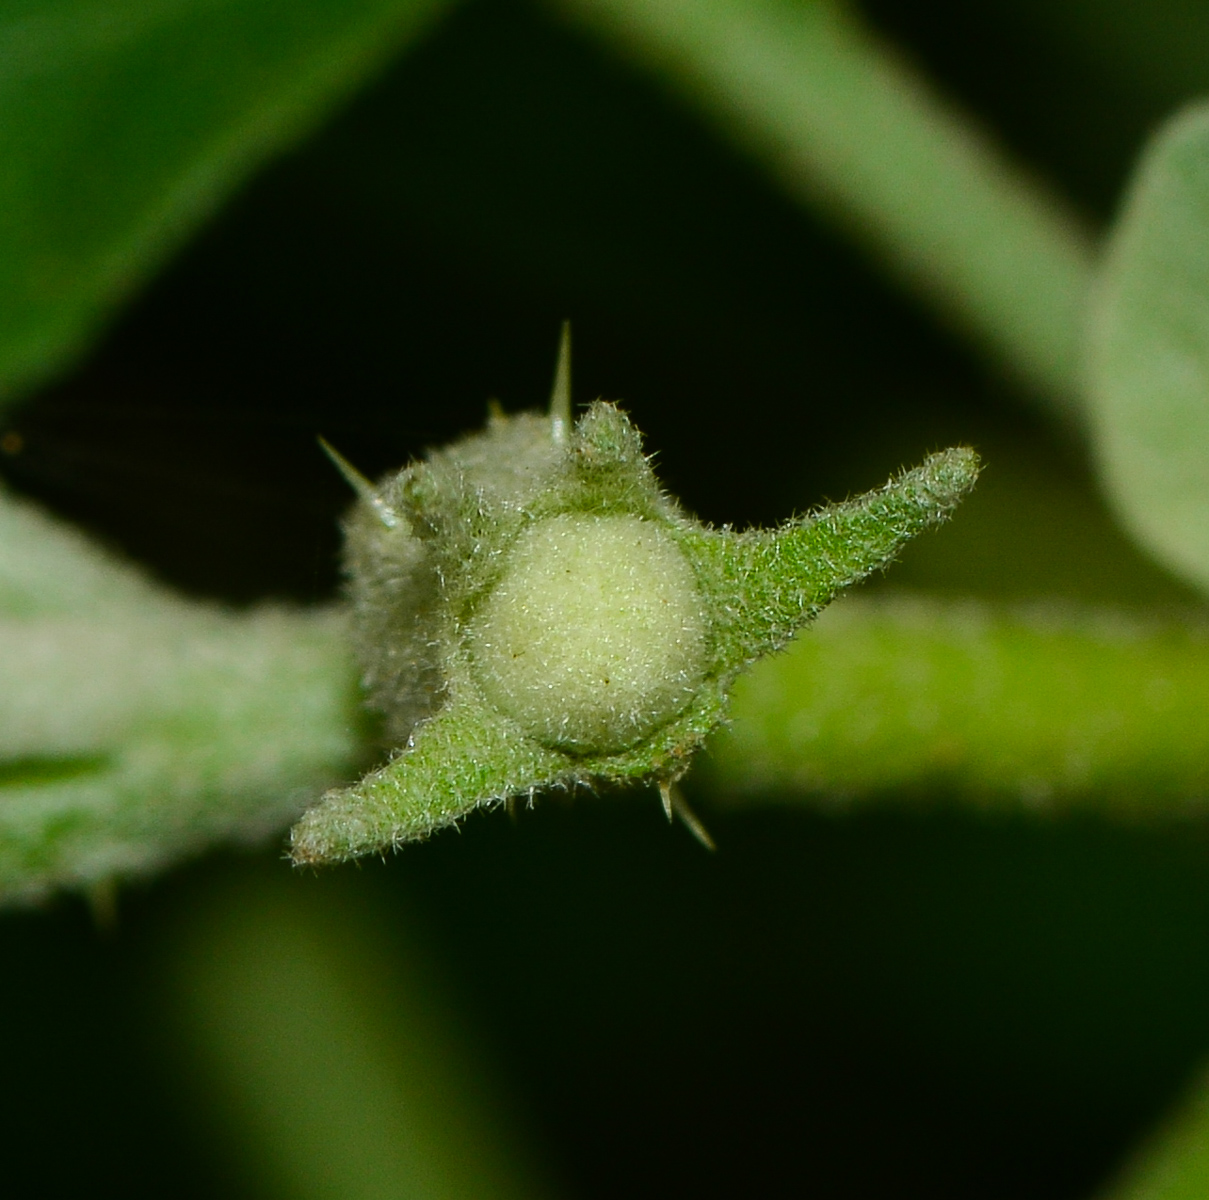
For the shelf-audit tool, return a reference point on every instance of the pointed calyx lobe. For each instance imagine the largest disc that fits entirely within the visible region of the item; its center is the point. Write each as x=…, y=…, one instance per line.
x=531, y=610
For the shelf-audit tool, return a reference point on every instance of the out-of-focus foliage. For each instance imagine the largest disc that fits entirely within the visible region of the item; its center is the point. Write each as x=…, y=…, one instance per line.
x=1149, y=355
x=139, y=726
x=123, y=123
x=849, y=127
x=339, y=1076
x=1174, y=1165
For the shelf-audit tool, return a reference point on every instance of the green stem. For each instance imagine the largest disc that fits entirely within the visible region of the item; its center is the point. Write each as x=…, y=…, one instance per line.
x=851, y=128
x=128, y=743
x=137, y=727
x=1045, y=706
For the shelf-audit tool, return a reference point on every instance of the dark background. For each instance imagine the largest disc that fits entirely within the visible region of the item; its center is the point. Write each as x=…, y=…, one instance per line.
x=870, y=1004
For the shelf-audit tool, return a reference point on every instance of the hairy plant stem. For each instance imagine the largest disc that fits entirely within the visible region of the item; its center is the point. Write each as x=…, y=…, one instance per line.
x=137, y=727
x=1047, y=706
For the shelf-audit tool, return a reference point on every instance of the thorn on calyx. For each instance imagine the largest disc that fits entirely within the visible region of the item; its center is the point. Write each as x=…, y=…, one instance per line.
x=560, y=395
x=674, y=803
x=362, y=486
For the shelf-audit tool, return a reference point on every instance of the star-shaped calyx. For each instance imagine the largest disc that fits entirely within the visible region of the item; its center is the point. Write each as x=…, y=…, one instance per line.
x=532, y=610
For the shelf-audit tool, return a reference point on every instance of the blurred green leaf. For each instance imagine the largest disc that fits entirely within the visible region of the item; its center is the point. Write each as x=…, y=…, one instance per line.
x=1173, y=1164
x=851, y=128
x=333, y=1059
x=1149, y=352
x=124, y=123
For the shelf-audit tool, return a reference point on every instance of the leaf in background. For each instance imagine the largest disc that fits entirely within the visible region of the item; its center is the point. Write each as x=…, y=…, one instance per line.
x=849, y=127
x=1149, y=352
x=332, y=1057
x=1173, y=1163
x=1160, y=47
x=124, y=123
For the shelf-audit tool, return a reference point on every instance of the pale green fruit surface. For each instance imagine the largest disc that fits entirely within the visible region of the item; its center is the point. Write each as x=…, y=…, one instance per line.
x=531, y=610
x=595, y=636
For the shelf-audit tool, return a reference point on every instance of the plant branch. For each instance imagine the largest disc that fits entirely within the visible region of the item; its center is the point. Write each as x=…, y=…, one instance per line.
x=1046, y=707
x=136, y=727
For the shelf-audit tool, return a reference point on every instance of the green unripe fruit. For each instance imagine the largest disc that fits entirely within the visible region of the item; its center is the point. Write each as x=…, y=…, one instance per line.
x=532, y=610
x=595, y=635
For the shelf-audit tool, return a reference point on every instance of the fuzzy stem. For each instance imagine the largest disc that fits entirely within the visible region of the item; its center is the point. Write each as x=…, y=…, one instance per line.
x=1046, y=706
x=137, y=727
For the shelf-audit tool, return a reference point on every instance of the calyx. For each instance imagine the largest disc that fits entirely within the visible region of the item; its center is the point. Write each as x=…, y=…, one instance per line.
x=531, y=610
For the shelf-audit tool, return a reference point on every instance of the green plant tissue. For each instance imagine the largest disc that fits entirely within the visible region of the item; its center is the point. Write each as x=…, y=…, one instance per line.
x=1148, y=361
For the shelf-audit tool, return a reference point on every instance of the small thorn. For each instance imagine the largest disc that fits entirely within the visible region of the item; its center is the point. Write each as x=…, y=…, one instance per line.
x=495, y=411
x=560, y=396
x=665, y=794
x=512, y=804
x=680, y=807
x=362, y=486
